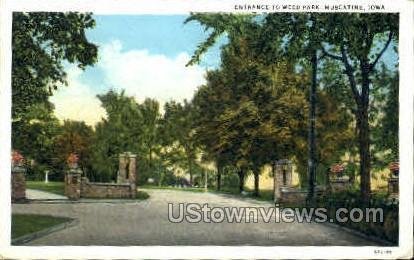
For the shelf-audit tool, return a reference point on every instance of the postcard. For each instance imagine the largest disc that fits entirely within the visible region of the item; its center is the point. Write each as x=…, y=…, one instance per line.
x=206, y=129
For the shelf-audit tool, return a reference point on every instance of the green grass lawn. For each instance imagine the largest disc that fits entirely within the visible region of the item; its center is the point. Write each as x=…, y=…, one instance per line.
x=52, y=187
x=23, y=224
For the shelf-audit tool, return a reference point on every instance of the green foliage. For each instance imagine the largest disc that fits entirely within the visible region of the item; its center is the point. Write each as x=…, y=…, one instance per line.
x=36, y=139
x=217, y=24
x=142, y=195
x=74, y=137
x=41, y=43
x=292, y=37
x=230, y=180
x=384, y=117
x=128, y=126
x=386, y=229
x=254, y=111
x=179, y=136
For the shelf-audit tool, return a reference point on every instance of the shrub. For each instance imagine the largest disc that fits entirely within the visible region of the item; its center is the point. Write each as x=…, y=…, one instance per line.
x=387, y=230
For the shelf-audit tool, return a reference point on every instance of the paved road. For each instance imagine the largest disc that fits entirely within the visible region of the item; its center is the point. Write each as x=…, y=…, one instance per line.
x=41, y=195
x=146, y=223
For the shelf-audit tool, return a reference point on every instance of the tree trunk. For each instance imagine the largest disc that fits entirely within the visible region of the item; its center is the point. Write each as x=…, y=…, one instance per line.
x=352, y=176
x=241, y=174
x=364, y=138
x=150, y=160
x=190, y=171
x=311, y=133
x=205, y=179
x=256, y=183
x=219, y=177
x=364, y=153
x=162, y=175
x=362, y=120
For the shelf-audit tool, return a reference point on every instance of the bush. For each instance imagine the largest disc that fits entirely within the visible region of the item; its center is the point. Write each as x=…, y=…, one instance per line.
x=387, y=229
x=391, y=226
x=230, y=180
x=142, y=195
x=169, y=179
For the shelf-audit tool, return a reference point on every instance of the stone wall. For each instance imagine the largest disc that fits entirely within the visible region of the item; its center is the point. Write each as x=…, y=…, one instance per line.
x=106, y=190
x=73, y=185
x=339, y=184
x=18, y=184
x=393, y=189
x=77, y=187
x=292, y=196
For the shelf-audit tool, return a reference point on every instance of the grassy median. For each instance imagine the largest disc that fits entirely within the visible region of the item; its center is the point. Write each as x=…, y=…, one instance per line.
x=23, y=224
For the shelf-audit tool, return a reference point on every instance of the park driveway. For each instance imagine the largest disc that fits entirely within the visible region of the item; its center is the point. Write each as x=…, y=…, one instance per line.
x=124, y=223
x=42, y=195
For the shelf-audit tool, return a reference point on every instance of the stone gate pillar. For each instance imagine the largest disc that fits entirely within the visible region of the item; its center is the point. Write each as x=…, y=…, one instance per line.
x=393, y=186
x=73, y=178
x=132, y=175
x=18, y=178
x=73, y=184
x=338, y=182
x=282, y=174
x=122, y=171
x=18, y=183
x=276, y=186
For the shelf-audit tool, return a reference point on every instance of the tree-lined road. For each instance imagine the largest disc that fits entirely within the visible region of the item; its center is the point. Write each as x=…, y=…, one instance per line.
x=146, y=222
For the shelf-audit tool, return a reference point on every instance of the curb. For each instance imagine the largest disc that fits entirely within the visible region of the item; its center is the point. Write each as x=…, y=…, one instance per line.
x=29, y=237
x=360, y=234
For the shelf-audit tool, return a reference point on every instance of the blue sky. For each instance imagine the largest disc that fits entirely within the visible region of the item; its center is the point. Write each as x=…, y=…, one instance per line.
x=160, y=34
x=145, y=55
x=166, y=35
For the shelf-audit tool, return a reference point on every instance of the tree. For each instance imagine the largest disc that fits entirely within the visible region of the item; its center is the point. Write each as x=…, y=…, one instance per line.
x=150, y=120
x=36, y=139
x=245, y=113
x=208, y=102
x=384, y=116
x=119, y=132
x=251, y=86
x=178, y=122
x=74, y=137
x=297, y=39
x=359, y=51
x=129, y=126
x=41, y=43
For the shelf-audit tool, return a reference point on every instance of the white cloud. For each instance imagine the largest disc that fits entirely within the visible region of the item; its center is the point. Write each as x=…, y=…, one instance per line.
x=77, y=101
x=140, y=73
x=144, y=75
